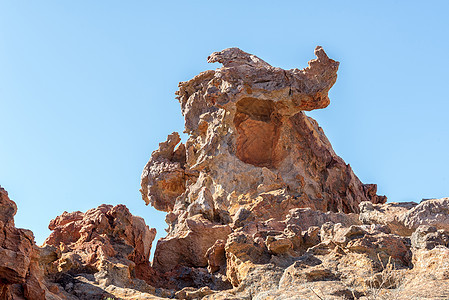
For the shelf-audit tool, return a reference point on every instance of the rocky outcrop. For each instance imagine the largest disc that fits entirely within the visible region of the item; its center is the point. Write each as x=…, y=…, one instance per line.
x=388, y=214
x=428, y=237
x=434, y=212
x=103, y=253
x=345, y=262
x=103, y=249
x=190, y=249
x=404, y=218
x=17, y=254
x=248, y=136
x=258, y=206
x=20, y=275
x=252, y=154
x=257, y=200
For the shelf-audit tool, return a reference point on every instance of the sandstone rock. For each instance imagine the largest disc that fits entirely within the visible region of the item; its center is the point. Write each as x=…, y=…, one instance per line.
x=258, y=207
x=429, y=278
x=189, y=249
x=107, y=242
x=278, y=244
x=372, y=240
x=216, y=256
x=192, y=293
x=434, y=212
x=306, y=218
x=428, y=237
x=254, y=164
x=196, y=278
x=163, y=178
x=297, y=272
x=432, y=263
x=258, y=279
x=388, y=214
x=248, y=136
x=18, y=257
x=242, y=253
x=404, y=218
x=312, y=237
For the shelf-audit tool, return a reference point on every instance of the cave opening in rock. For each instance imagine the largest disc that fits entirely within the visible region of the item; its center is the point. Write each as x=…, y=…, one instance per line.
x=257, y=128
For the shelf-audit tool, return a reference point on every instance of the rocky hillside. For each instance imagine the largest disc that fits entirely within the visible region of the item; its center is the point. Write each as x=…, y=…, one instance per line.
x=259, y=206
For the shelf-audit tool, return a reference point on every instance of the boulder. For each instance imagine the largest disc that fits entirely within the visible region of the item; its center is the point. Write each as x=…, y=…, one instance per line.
x=434, y=212
x=428, y=237
x=405, y=217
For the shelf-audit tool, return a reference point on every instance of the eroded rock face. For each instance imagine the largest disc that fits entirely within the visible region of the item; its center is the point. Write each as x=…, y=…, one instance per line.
x=252, y=154
x=434, y=212
x=191, y=248
x=20, y=275
x=258, y=196
x=103, y=247
x=258, y=207
x=404, y=218
x=249, y=135
x=388, y=214
x=167, y=165
x=428, y=237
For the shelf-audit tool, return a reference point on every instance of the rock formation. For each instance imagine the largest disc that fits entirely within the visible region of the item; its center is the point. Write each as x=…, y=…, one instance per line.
x=94, y=255
x=258, y=206
x=404, y=218
x=252, y=154
x=19, y=272
x=105, y=248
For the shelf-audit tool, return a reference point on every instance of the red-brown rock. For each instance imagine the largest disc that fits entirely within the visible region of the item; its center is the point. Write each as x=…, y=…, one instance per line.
x=107, y=242
x=252, y=155
x=18, y=256
x=248, y=136
x=190, y=248
x=99, y=234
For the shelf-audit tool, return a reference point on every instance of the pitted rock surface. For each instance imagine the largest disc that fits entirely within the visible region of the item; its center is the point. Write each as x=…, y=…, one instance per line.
x=258, y=206
x=252, y=154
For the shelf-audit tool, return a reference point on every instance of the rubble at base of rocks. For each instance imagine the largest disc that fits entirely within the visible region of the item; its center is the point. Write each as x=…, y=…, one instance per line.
x=259, y=206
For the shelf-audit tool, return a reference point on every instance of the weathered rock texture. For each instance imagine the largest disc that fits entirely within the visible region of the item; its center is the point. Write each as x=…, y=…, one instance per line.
x=404, y=218
x=20, y=275
x=248, y=135
x=257, y=199
x=252, y=154
x=103, y=253
x=258, y=207
x=104, y=248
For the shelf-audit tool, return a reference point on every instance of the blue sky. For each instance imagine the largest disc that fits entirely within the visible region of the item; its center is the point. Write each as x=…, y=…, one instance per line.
x=87, y=91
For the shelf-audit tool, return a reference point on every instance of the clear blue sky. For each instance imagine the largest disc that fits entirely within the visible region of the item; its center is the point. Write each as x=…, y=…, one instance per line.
x=87, y=90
